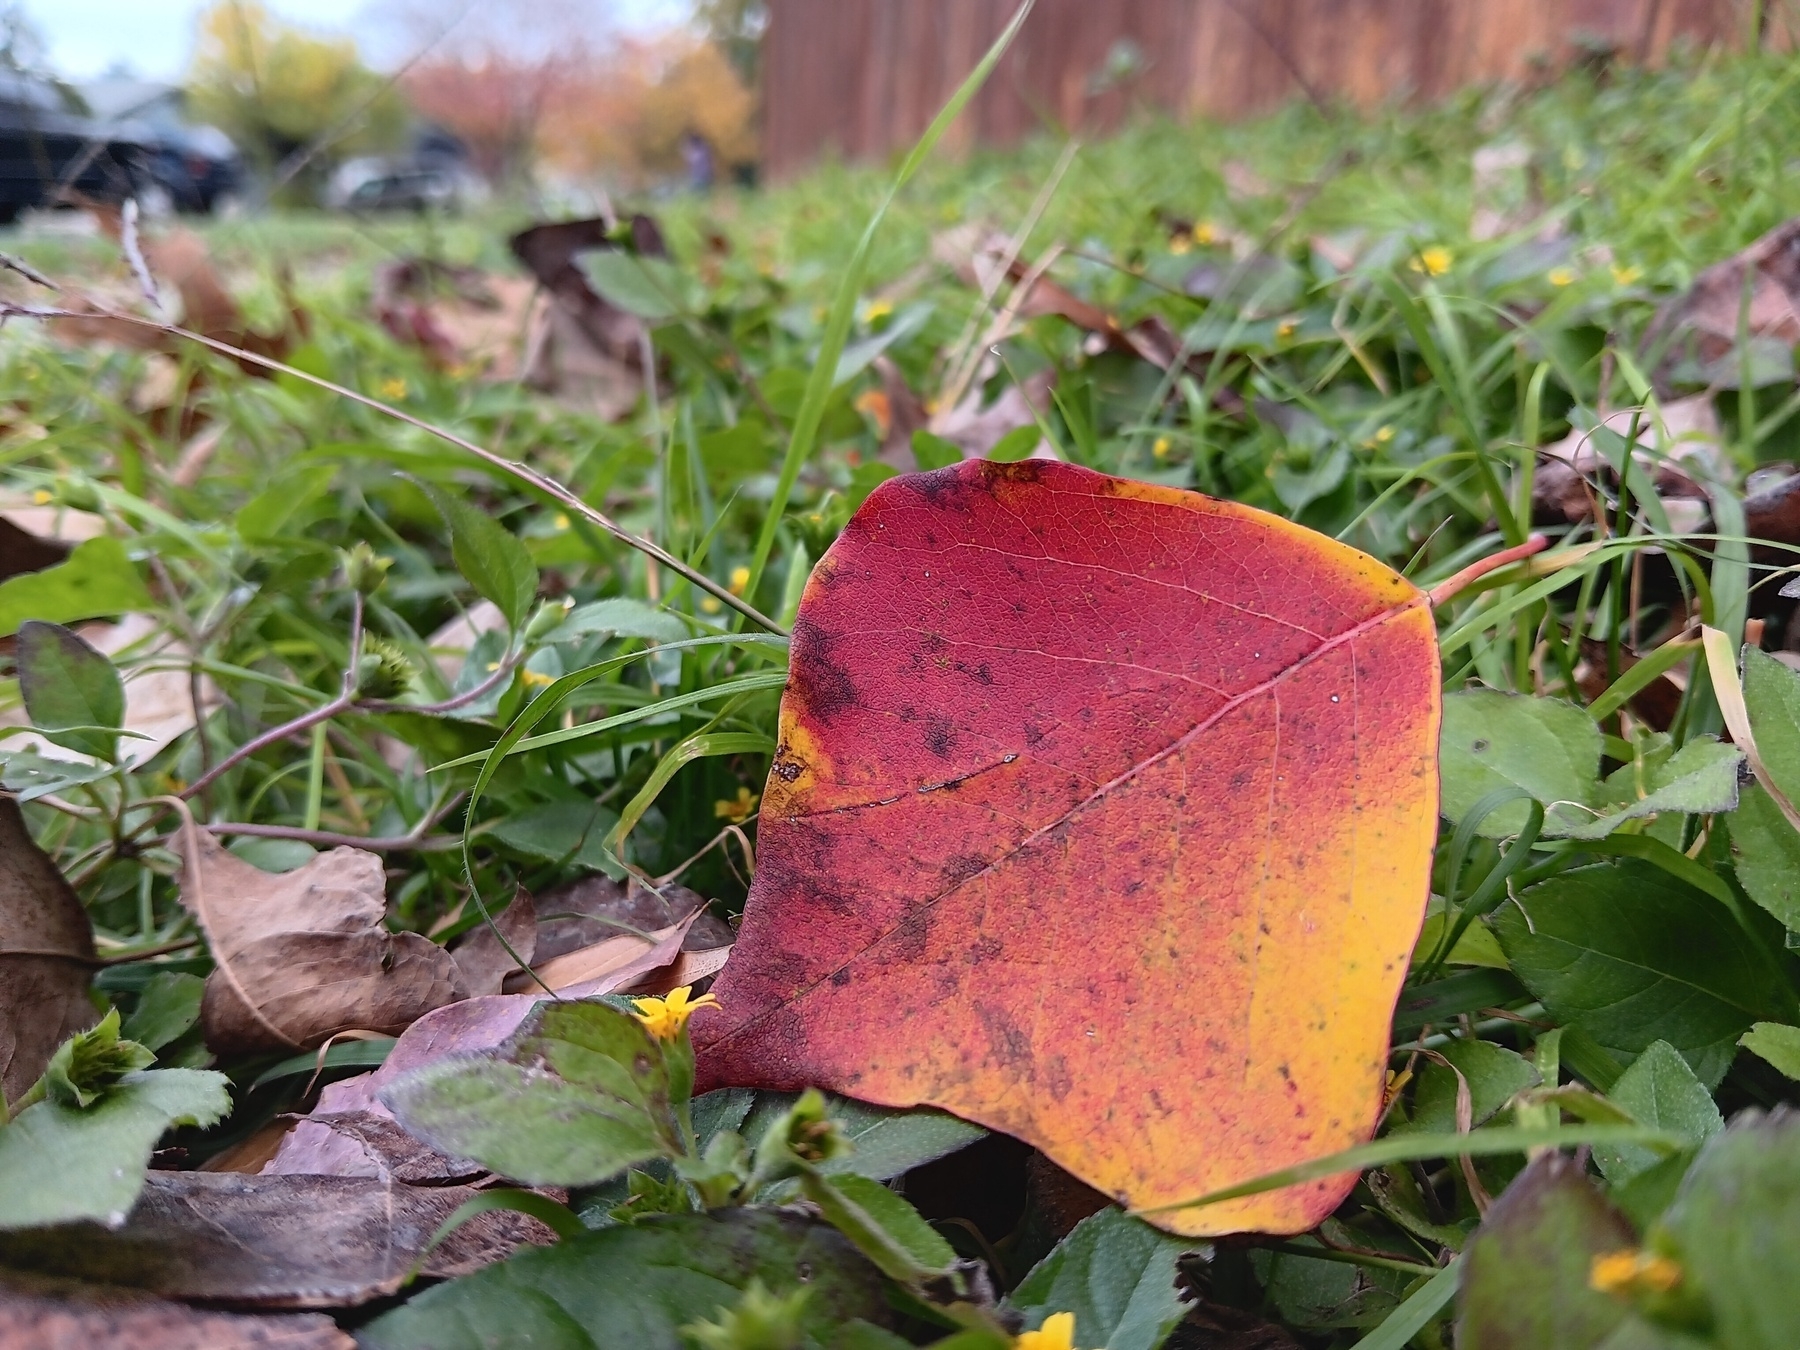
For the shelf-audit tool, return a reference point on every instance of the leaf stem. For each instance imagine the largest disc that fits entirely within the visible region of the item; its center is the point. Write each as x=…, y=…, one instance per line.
x=1450, y=586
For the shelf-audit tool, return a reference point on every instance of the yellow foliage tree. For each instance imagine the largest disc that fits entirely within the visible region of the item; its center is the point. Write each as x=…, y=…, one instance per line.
x=276, y=88
x=627, y=117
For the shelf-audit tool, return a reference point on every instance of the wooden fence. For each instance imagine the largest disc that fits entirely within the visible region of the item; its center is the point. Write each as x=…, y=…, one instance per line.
x=862, y=78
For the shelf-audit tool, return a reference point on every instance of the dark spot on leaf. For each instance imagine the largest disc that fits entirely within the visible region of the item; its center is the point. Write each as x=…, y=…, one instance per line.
x=823, y=682
x=940, y=737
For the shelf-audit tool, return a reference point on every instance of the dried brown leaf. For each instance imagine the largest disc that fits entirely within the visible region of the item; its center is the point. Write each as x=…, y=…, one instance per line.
x=304, y=955
x=42, y=1314
x=1704, y=322
x=364, y=1143
x=484, y=963
x=46, y=956
x=481, y=1023
x=274, y=1241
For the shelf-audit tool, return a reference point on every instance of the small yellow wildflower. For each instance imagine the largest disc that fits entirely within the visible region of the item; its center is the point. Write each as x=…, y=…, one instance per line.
x=1434, y=261
x=1624, y=276
x=1161, y=448
x=711, y=604
x=536, y=679
x=1384, y=435
x=1561, y=276
x=562, y=521
x=667, y=1017
x=1057, y=1333
x=1180, y=244
x=738, y=810
x=393, y=389
x=740, y=579
x=42, y=498
x=1634, y=1272
x=1286, y=329
x=1206, y=233
x=875, y=405
x=878, y=310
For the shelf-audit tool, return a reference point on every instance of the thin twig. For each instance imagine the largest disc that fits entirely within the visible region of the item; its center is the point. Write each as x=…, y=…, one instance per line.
x=343, y=703
x=134, y=253
x=27, y=271
x=524, y=473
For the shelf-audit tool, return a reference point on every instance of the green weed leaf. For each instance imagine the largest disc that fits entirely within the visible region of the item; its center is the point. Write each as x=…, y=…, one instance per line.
x=577, y=1095
x=635, y=1286
x=61, y=1163
x=496, y=564
x=1117, y=1275
x=72, y=693
x=1658, y=1089
x=1632, y=956
x=98, y=581
x=1549, y=748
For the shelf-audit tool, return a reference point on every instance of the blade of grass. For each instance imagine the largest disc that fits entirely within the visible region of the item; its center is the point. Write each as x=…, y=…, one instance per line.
x=1419, y=1147
x=843, y=307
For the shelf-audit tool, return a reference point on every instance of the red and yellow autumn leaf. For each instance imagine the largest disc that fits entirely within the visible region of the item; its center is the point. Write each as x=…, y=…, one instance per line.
x=1103, y=816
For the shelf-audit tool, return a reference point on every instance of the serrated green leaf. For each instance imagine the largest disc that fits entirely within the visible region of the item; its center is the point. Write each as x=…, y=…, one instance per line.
x=1699, y=779
x=577, y=1095
x=1117, y=1275
x=634, y=1286
x=70, y=690
x=60, y=1163
x=651, y=288
x=569, y=831
x=1776, y=1043
x=1632, y=956
x=496, y=564
x=1766, y=852
x=1659, y=1089
x=167, y=1008
x=98, y=581
x=1549, y=748
x=1494, y=1075
x=881, y=1225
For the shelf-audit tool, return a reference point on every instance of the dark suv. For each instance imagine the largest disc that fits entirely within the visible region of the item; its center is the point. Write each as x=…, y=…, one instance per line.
x=48, y=149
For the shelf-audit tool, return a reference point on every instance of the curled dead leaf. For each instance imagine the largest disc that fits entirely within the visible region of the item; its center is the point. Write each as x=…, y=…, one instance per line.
x=303, y=955
x=45, y=1314
x=274, y=1241
x=46, y=956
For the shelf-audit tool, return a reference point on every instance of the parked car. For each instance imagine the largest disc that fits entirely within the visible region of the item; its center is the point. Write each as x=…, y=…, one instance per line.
x=433, y=176
x=193, y=167
x=49, y=149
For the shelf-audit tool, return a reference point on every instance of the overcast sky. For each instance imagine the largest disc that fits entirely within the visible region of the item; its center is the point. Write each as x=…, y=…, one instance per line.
x=154, y=38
